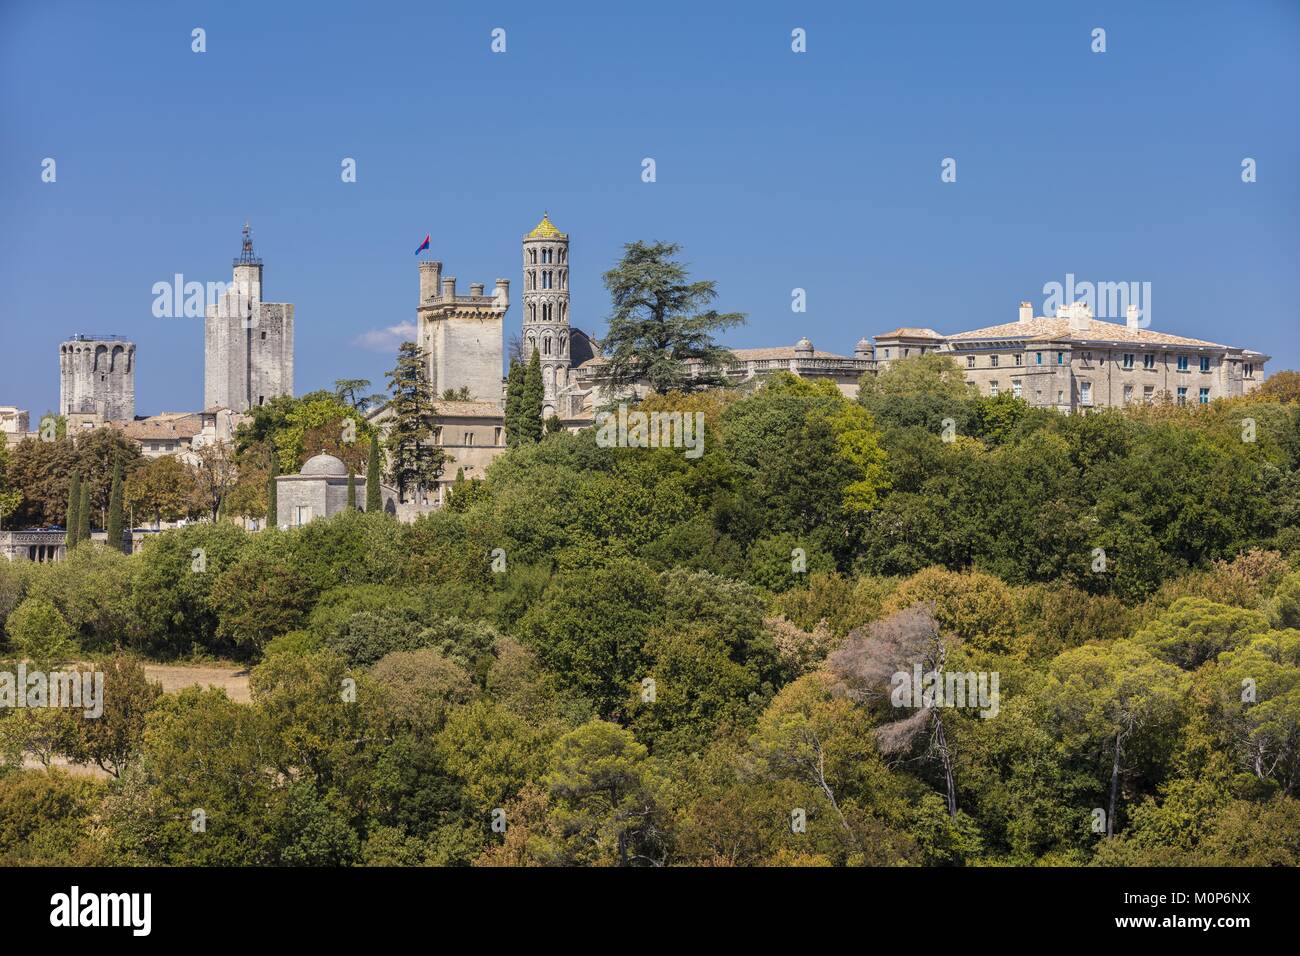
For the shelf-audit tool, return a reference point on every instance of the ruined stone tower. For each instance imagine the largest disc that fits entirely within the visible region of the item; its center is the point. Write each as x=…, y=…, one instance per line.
x=248, y=343
x=461, y=334
x=97, y=376
x=546, y=307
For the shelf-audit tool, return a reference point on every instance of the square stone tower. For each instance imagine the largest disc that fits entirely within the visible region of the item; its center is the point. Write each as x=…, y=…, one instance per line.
x=97, y=376
x=462, y=334
x=248, y=343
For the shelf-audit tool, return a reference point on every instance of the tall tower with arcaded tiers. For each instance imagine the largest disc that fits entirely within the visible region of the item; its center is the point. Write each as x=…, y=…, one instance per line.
x=546, y=307
x=97, y=376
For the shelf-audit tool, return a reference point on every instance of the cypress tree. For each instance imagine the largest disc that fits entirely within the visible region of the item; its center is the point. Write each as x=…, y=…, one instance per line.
x=74, y=505
x=514, y=401
x=352, y=489
x=272, y=519
x=373, y=501
x=83, y=514
x=530, y=408
x=114, y=524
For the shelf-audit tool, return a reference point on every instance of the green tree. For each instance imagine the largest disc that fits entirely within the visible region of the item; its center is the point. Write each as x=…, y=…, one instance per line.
x=272, y=493
x=39, y=632
x=514, y=402
x=529, y=422
x=352, y=489
x=83, y=514
x=114, y=525
x=374, y=499
x=602, y=791
x=74, y=510
x=659, y=324
x=414, y=460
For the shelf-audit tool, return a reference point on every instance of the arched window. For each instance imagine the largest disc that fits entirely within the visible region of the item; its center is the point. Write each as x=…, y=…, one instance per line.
x=546, y=345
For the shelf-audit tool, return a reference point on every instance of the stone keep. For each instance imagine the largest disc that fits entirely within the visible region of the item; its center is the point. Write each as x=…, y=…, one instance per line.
x=97, y=375
x=462, y=334
x=546, y=307
x=248, y=343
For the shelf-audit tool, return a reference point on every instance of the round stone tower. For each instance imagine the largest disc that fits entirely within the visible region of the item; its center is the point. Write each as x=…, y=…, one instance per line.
x=546, y=306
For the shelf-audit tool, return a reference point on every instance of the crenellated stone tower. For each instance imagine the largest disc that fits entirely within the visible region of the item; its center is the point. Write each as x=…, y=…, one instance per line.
x=461, y=334
x=546, y=307
x=248, y=343
x=97, y=377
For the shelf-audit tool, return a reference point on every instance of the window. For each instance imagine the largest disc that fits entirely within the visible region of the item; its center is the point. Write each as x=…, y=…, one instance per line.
x=1205, y=363
x=1016, y=387
x=1038, y=396
x=1128, y=394
x=469, y=438
x=1148, y=393
x=1182, y=394
x=1248, y=369
x=906, y=352
x=1060, y=396
x=263, y=336
x=886, y=353
x=1182, y=363
x=993, y=361
x=496, y=436
x=1128, y=359
x=1060, y=358
x=302, y=514
x=970, y=361
x=1038, y=358
x=1020, y=359
x=993, y=389
x=1085, y=393
x=1204, y=396
x=1148, y=361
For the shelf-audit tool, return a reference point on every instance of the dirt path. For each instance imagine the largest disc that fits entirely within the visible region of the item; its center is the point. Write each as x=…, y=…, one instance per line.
x=174, y=677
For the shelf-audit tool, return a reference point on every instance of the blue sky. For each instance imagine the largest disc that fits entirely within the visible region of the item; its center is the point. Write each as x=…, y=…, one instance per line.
x=775, y=170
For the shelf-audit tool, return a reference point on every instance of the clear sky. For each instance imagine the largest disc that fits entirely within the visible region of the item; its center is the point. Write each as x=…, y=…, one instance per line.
x=775, y=170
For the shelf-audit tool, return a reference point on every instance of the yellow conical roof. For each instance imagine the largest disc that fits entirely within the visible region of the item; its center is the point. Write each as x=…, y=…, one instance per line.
x=545, y=230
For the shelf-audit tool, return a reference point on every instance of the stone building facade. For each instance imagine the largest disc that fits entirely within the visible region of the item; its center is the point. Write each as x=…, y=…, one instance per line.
x=97, y=377
x=462, y=335
x=1073, y=362
x=248, y=343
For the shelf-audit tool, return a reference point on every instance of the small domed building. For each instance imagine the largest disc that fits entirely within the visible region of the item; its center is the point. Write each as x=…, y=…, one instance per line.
x=320, y=490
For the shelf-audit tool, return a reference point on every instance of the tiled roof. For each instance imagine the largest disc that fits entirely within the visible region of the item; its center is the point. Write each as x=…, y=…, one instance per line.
x=1057, y=330
x=910, y=333
x=152, y=429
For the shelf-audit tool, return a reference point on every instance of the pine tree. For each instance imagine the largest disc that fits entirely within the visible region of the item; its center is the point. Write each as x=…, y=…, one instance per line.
x=114, y=525
x=374, y=501
x=74, y=505
x=414, y=460
x=660, y=323
x=83, y=514
x=514, y=401
x=352, y=489
x=272, y=517
x=530, y=410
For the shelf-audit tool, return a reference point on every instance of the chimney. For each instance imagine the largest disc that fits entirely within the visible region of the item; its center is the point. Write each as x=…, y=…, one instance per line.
x=429, y=272
x=1080, y=316
x=1026, y=312
x=501, y=298
x=1133, y=317
x=476, y=289
x=449, y=288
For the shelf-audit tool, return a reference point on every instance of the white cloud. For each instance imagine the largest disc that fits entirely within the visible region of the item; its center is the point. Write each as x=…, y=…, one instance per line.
x=386, y=340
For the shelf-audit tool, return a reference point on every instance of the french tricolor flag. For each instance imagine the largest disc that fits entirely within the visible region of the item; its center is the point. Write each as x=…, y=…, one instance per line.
x=424, y=245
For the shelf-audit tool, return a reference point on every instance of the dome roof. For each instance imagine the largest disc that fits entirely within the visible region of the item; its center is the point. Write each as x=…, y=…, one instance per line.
x=803, y=343
x=863, y=343
x=325, y=466
x=545, y=230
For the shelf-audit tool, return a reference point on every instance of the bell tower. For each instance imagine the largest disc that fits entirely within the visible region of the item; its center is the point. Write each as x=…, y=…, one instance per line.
x=546, y=307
